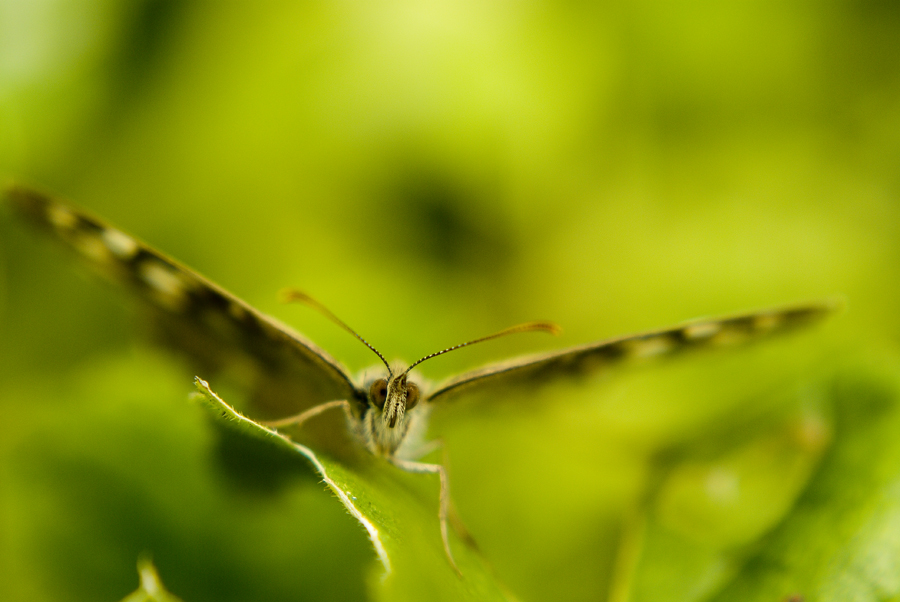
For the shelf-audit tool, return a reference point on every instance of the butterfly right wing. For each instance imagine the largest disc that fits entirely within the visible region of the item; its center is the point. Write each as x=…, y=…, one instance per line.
x=593, y=357
x=284, y=371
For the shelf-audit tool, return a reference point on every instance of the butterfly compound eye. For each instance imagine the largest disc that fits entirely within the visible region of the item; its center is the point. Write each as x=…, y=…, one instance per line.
x=378, y=392
x=412, y=395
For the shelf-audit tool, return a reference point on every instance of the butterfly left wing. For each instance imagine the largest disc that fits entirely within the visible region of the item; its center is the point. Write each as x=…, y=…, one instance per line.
x=593, y=357
x=283, y=371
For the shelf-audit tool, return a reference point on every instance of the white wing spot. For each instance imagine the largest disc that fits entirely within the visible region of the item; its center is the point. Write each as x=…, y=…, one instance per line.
x=730, y=336
x=764, y=322
x=91, y=247
x=703, y=330
x=119, y=244
x=649, y=347
x=168, y=285
x=62, y=218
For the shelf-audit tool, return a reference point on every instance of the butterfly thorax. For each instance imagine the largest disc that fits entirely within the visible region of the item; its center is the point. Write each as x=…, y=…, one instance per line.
x=391, y=410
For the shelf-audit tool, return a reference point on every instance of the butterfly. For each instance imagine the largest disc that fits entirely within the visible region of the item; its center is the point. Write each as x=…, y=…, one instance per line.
x=291, y=372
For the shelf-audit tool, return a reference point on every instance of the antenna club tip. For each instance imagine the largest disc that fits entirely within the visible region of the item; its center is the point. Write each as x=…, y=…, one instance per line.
x=292, y=295
x=549, y=327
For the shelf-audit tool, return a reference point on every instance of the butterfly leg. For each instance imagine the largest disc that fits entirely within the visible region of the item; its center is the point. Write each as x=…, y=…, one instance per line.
x=298, y=419
x=452, y=516
x=444, y=509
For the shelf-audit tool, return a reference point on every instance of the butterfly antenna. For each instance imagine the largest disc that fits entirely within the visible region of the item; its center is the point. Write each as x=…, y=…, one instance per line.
x=291, y=295
x=550, y=327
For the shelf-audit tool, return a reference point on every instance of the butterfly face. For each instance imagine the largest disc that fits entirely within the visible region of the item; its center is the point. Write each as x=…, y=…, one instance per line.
x=392, y=401
x=392, y=397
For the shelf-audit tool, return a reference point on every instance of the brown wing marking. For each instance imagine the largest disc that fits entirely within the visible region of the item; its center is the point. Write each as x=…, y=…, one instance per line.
x=195, y=315
x=592, y=357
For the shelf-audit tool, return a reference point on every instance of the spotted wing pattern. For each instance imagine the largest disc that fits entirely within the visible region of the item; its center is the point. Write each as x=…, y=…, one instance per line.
x=593, y=357
x=194, y=315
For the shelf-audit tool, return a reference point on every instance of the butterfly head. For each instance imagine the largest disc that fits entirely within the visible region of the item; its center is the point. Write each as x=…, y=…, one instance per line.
x=393, y=397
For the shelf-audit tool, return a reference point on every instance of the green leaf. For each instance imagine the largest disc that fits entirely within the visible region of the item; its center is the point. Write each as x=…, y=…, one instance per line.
x=398, y=514
x=808, y=506
x=151, y=588
x=110, y=461
x=842, y=539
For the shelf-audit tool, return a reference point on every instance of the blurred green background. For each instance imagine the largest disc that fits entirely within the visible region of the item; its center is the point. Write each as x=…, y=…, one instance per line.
x=432, y=172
